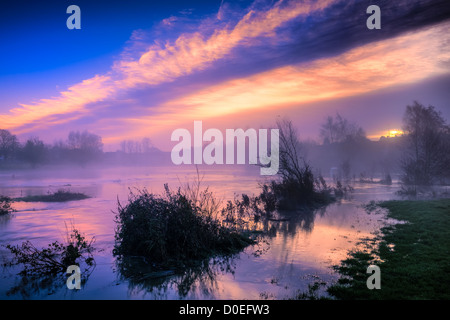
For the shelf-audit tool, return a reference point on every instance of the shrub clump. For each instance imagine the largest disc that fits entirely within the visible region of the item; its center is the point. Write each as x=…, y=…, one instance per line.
x=171, y=229
x=5, y=205
x=56, y=257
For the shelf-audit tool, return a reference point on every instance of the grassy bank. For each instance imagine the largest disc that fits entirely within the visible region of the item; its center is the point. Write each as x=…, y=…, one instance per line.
x=414, y=257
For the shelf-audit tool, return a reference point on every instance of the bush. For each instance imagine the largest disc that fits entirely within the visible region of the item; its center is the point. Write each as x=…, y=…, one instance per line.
x=56, y=257
x=298, y=186
x=171, y=229
x=5, y=205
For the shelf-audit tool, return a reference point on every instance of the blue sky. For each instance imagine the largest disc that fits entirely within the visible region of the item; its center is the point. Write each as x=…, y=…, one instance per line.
x=145, y=68
x=37, y=47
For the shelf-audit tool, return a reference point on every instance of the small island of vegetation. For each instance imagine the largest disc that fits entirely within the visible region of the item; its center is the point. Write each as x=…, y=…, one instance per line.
x=58, y=196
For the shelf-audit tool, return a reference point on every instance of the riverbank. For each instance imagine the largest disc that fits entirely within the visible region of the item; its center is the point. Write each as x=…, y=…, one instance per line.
x=413, y=257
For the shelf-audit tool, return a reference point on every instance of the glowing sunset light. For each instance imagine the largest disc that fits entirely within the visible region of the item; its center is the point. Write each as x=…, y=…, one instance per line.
x=391, y=133
x=395, y=133
x=356, y=72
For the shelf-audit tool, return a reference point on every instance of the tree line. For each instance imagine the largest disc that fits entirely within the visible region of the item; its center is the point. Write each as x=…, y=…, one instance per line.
x=79, y=147
x=421, y=155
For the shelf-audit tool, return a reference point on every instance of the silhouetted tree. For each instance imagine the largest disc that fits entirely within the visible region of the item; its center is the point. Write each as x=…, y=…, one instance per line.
x=347, y=139
x=146, y=145
x=339, y=129
x=8, y=144
x=136, y=146
x=34, y=151
x=426, y=156
x=84, y=146
x=294, y=170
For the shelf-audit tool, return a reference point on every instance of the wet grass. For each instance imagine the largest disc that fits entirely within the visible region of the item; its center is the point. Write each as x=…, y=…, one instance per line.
x=414, y=257
x=58, y=196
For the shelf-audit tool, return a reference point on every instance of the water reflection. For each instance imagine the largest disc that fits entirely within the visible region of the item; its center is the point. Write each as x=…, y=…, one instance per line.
x=202, y=280
x=4, y=219
x=198, y=281
x=30, y=286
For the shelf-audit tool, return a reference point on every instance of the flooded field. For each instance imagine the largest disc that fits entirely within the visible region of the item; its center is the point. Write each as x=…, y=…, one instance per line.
x=293, y=253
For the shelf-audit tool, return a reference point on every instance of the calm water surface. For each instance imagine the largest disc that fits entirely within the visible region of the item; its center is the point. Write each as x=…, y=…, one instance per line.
x=294, y=253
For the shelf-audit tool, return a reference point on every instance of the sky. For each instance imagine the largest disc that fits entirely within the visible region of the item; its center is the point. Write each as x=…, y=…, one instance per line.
x=145, y=68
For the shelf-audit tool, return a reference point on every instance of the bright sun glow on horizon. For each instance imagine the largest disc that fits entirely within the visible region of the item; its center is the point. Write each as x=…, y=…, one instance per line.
x=391, y=133
x=394, y=133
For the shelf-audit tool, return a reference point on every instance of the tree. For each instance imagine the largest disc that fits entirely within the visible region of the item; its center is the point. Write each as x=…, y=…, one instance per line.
x=339, y=129
x=136, y=146
x=426, y=154
x=346, y=138
x=8, y=143
x=85, y=141
x=130, y=146
x=84, y=146
x=34, y=151
x=294, y=170
x=146, y=145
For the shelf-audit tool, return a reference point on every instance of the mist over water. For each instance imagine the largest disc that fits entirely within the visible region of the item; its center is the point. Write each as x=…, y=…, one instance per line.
x=293, y=253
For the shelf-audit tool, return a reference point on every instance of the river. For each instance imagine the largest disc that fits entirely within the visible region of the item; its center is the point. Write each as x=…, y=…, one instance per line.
x=293, y=253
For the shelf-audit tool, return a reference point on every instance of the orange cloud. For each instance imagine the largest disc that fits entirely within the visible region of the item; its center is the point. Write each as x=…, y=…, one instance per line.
x=402, y=60
x=406, y=59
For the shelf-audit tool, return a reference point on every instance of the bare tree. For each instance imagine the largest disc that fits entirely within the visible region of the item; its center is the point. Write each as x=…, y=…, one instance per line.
x=136, y=146
x=339, y=129
x=296, y=173
x=146, y=145
x=85, y=141
x=328, y=131
x=426, y=155
x=8, y=143
x=84, y=146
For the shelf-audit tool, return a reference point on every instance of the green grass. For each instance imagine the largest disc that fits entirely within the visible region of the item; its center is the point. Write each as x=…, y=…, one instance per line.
x=414, y=257
x=58, y=196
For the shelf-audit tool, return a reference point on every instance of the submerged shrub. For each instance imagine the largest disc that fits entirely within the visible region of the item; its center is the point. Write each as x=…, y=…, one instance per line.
x=170, y=228
x=5, y=205
x=56, y=257
x=297, y=186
